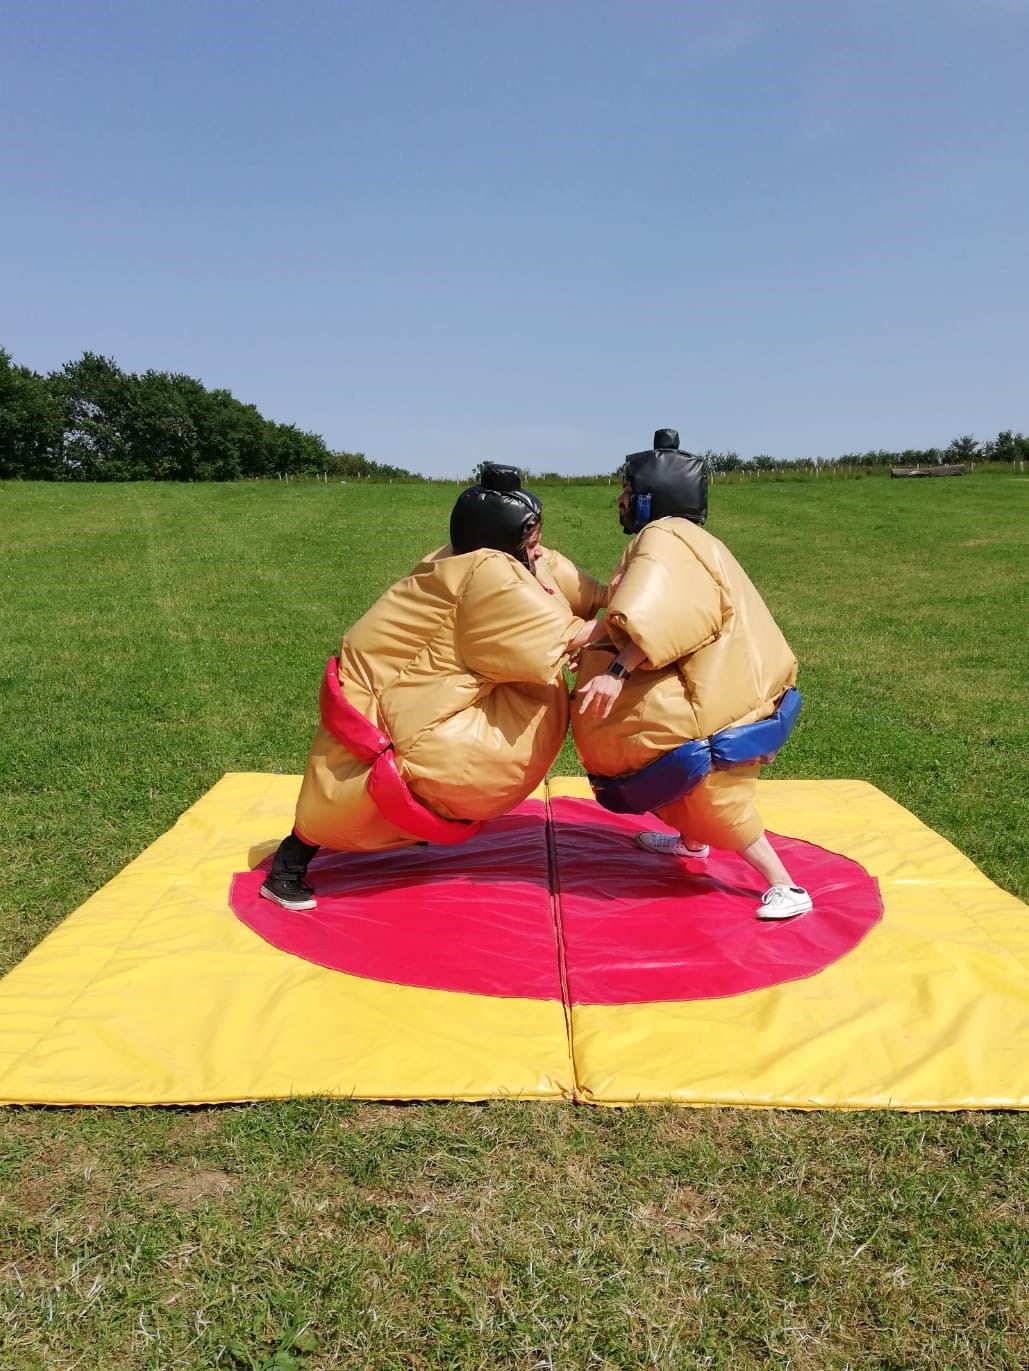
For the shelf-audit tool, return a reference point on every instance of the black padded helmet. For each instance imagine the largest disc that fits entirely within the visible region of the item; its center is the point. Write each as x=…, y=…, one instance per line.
x=496, y=513
x=664, y=481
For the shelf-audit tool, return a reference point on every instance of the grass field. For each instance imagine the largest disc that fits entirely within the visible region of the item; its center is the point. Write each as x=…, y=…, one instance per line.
x=155, y=637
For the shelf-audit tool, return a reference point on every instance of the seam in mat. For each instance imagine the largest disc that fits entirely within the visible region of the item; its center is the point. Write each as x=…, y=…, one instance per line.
x=559, y=937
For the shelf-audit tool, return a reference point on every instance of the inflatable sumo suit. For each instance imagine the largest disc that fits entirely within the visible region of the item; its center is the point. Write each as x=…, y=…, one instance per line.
x=446, y=705
x=713, y=698
x=558, y=576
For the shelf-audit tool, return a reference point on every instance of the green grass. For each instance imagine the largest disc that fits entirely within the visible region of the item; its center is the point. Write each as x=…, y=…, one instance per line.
x=157, y=636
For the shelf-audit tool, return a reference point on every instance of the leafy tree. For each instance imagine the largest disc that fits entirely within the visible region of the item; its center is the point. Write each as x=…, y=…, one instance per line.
x=159, y=428
x=723, y=461
x=93, y=394
x=963, y=450
x=91, y=421
x=1008, y=447
x=31, y=424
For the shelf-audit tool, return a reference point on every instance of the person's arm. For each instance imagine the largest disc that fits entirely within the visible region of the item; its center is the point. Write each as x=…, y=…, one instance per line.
x=600, y=693
x=587, y=633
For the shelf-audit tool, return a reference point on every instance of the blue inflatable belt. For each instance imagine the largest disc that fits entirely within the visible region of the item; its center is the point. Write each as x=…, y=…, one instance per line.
x=681, y=770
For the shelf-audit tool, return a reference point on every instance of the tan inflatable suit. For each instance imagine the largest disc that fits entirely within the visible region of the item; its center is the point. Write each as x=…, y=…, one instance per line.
x=460, y=665
x=583, y=595
x=715, y=658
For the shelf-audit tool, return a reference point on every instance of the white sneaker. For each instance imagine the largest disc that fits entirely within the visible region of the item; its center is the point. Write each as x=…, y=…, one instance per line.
x=671, y=845
x=784, y=902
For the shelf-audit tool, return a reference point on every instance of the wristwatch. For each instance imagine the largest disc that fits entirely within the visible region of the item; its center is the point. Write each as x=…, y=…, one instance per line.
x=618, y=671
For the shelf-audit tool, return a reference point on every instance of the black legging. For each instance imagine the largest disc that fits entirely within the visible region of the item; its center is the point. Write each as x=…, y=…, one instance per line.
x=293, y=857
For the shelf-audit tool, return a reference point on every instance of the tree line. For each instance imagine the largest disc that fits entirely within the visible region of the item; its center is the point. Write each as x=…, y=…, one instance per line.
x=964, y=451
x=91, y=421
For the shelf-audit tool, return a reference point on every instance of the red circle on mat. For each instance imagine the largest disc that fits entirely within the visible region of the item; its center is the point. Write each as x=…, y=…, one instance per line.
x=627, y=927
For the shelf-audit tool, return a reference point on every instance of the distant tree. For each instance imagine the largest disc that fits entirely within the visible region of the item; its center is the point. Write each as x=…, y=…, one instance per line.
x=31, y=424
x=159, y=427
x=295, y=452
x=723, y=461
x=962, y=450
x=355, y=466
x=234, y=439
x=91, y=421
x=93, y=395
x=1007, y=447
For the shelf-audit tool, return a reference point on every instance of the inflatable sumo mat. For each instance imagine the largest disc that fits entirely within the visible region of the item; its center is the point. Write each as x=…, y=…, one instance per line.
x=548, y=957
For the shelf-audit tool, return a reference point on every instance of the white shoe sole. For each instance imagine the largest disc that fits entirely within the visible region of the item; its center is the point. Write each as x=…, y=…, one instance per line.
x=294, y=906
x=781, y=916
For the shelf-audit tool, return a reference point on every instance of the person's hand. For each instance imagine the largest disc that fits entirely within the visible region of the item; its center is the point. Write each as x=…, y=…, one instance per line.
x=600, y=694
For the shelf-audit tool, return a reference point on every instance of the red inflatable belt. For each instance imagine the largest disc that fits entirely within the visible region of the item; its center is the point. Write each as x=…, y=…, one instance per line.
x=388, y=789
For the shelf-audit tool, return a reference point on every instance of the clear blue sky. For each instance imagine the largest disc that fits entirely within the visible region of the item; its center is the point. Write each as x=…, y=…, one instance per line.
x=534, y=230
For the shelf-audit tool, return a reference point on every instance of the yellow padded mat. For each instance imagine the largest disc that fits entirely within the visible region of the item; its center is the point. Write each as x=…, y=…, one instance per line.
x=154, y=992
x=929, y=1011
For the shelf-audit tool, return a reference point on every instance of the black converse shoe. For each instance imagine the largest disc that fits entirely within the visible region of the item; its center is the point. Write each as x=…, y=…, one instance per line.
x=291, y=892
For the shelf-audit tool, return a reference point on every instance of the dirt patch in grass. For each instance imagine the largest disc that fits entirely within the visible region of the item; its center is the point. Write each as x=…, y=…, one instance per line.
x=676, y=1127
x=34, y=1196
x=681, y=1213
x=63, y=1179
x=183, y=1187
x=198, y=1123
x=414, y=1197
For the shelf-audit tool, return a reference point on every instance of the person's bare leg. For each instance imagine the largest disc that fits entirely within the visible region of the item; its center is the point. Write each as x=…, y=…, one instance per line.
x=763, y=858
x=783, y=899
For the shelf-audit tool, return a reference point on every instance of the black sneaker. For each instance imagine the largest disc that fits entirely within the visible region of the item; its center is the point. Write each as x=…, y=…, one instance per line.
x=291, y=892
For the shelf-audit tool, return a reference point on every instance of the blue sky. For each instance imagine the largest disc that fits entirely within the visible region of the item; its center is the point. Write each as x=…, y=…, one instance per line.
x=438, y=231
